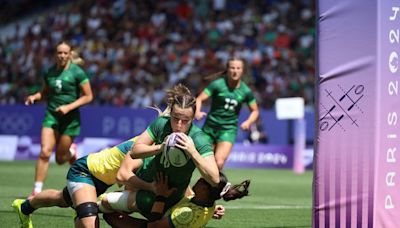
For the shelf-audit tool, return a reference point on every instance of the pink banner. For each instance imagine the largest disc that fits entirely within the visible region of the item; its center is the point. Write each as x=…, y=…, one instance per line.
x=357, y=105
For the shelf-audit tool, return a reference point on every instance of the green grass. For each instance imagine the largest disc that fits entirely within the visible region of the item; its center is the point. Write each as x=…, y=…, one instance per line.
x=279, y=198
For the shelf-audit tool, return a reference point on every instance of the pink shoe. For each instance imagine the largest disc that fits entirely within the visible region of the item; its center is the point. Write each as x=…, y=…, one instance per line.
x=74, y=153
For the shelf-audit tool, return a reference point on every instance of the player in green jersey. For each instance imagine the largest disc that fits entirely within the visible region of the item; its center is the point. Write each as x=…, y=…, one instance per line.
x=178, y=118
x=66, y=88
x=227, y=93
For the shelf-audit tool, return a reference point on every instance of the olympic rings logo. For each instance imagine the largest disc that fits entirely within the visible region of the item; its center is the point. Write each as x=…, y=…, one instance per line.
x=15, y=123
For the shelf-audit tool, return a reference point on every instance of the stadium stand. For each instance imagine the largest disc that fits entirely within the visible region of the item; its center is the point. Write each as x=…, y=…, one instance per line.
x=134, y=50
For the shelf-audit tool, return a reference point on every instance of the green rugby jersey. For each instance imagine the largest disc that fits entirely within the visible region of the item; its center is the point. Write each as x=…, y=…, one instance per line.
x=226, y=102
x=178, y=177
x=63, y=85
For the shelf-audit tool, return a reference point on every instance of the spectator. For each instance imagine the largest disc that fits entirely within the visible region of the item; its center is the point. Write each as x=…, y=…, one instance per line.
x=143, y=42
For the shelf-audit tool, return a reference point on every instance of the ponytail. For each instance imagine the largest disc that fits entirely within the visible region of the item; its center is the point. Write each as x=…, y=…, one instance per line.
x=75, y=58
x=212, y=77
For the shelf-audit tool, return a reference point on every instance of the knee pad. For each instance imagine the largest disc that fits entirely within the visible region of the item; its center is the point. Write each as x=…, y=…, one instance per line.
x=87, y=209
x=67, y=196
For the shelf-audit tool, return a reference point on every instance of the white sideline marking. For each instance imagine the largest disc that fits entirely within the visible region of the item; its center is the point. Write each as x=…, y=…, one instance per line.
x=268, y=207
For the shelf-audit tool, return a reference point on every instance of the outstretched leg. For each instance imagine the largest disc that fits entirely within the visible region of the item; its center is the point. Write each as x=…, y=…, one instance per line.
x=47, y=198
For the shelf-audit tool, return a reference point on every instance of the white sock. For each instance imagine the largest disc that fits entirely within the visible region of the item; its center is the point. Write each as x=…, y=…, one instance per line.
x=72, y=149
x=38, y=186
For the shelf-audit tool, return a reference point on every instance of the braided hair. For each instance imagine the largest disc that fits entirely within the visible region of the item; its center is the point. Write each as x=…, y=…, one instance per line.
x=179, y=95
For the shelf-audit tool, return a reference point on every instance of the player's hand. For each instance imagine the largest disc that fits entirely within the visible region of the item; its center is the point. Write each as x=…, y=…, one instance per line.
x=168, y=142
x=219, y=211
x=186, y=143
x=161, y=185
x=30, y=100
x=63, y=109
x=200, y=115
x=164, y=144
x=245, y=126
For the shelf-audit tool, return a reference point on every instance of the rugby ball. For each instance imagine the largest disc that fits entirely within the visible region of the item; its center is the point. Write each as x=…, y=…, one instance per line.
x=175, y=155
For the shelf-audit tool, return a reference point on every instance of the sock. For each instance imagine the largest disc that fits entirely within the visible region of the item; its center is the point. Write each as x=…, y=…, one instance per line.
x=38, y=186
x=26, y=208
x=72, y=149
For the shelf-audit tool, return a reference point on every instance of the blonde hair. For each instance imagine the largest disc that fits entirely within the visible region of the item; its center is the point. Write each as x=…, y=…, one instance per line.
x=179, y=95
x=75, y=58
x=74, y=55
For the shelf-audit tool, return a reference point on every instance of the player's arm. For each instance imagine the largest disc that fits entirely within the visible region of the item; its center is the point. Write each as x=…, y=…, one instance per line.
x=254, y=113
x=199, y=103
x=162, y=191
x=144, y=146
x=85, y=98
x=126, y=175
x=37, y=96
x=207, y=166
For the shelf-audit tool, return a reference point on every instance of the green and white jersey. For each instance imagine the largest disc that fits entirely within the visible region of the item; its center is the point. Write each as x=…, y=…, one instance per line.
x=226, y=103
x=178, y=177
x=63, y=85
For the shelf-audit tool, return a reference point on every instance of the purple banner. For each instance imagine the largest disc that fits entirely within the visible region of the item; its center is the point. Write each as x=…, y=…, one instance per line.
x=122, y=122
x=242, y=156
x=260, y=156
x=357, y=105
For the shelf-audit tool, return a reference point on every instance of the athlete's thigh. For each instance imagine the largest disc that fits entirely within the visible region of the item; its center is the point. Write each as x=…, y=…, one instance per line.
x=48, y=139
x=81, y=192
x=222, y=150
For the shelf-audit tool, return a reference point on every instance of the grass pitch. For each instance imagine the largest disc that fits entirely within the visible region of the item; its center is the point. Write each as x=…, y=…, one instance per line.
x=278, y=198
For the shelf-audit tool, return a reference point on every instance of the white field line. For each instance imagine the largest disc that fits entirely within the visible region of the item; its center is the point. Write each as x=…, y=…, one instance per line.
x=268, y=207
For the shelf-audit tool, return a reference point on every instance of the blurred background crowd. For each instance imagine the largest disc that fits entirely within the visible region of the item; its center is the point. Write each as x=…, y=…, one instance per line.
x=134, y=50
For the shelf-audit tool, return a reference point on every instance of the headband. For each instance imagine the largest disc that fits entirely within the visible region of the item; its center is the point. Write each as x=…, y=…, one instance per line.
x=225, y=189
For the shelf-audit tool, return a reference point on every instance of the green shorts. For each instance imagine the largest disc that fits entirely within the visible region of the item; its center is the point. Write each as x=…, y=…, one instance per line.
x=145, y=201
x=79, y=172
x=69, y=124
x=217, y=135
